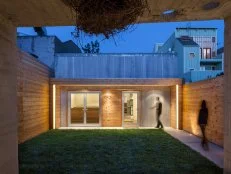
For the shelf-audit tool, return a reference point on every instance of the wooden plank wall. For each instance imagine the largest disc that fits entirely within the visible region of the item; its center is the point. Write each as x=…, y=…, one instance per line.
x=33, y=96
x=213, y=92
x=111, y=108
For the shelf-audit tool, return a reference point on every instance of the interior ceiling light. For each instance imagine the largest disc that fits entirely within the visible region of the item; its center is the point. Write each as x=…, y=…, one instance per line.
x=211, y=5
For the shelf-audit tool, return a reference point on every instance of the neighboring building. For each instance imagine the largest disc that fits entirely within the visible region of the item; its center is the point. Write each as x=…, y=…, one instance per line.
x=196, y=49
x=220, y=55
x=45, y=47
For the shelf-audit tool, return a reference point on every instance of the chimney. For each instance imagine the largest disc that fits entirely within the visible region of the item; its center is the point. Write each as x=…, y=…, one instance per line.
x=41, y=31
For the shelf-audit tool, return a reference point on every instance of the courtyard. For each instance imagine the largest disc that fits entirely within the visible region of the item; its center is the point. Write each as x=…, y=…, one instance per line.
x=110, y=151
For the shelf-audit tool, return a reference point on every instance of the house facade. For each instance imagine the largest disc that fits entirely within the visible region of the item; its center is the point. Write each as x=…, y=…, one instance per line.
x=115, y=90
x=107, y=90
x=120, y=90
x=196, y=49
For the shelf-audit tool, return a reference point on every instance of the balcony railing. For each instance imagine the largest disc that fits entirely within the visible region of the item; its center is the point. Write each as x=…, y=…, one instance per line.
x=116, y=66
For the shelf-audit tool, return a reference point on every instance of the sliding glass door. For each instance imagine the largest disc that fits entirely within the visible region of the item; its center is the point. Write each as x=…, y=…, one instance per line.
x=84, y=109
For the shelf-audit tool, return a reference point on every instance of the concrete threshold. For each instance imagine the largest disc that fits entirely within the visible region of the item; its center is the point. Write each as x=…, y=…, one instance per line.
x=214, y=154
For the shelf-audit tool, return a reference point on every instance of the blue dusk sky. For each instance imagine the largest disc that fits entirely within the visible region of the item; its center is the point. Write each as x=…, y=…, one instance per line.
x=140, y=39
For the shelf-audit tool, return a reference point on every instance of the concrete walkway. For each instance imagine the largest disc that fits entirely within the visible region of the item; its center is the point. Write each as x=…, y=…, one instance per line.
x=214, y=154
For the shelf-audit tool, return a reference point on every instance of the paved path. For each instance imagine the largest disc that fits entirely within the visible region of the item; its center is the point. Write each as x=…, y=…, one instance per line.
x=214, y=154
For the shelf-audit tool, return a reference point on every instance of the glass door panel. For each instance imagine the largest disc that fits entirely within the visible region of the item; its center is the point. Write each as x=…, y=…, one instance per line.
x=130, y=109
x=92, y=108
x=77, y=108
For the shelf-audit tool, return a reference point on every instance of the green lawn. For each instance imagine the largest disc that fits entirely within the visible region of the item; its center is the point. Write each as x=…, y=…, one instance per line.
x=110, y=151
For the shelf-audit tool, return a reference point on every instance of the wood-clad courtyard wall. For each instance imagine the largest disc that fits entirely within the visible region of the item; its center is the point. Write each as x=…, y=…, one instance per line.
x=33, y=97
x=212, y=91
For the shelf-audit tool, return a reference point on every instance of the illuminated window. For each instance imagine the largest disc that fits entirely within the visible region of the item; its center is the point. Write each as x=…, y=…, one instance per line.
x=206, y=53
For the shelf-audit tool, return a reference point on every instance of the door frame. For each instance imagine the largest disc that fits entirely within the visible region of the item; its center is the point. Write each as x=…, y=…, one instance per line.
x=138, y=106
x=85, y=116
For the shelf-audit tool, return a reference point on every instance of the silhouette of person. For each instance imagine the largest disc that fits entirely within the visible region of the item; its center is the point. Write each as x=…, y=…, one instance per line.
x=158, y=107
x=202, y=121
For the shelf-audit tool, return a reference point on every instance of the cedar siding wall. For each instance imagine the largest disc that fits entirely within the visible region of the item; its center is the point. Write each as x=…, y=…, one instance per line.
x=33, y=97
x=213, y=92
x=111, y=108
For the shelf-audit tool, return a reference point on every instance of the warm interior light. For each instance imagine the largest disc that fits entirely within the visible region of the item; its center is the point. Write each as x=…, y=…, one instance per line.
x=54, y=103
x=177, y=107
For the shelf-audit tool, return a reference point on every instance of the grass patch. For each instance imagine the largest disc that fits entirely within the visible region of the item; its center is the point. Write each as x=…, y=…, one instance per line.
x=110, y=151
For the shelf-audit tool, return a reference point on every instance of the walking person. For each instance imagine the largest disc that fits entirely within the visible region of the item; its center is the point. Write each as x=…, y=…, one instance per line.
x=202, y=121
x=158, y=107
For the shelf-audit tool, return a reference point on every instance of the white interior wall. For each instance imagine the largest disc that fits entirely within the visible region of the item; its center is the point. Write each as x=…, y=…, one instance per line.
x=148, y=113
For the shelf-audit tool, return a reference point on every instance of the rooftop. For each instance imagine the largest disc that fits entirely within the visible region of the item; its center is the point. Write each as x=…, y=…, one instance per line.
x=187, y=42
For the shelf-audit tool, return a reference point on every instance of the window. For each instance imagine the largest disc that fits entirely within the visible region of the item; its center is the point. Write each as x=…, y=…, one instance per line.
x=213, y=39
x=206, y=53
x=213, y=67
x=191, y=55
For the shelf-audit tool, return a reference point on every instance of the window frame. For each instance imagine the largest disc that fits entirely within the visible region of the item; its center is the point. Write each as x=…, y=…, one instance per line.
x=207, y=56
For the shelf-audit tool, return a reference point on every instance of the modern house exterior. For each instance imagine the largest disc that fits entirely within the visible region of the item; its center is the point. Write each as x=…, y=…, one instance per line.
x=115, y=90
x=27, y=13
x=119, y=90
x=107, y=90
x=196, y=49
